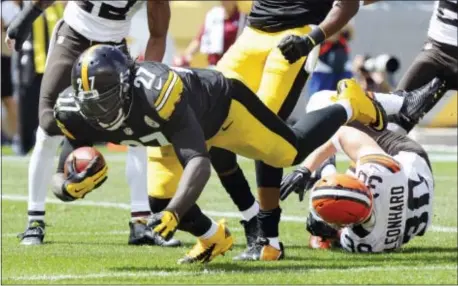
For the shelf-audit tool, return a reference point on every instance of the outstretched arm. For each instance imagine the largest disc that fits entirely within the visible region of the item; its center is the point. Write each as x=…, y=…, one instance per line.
x=353, y=142
x=188, y=141
x=158, y=23
x=19, y=29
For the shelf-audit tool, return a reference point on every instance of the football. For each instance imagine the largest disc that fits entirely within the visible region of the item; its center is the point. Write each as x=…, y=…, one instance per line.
x=84, y=156
x=341, y=200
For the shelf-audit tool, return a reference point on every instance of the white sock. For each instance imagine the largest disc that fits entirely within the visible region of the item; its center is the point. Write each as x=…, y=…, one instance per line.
x=136, y=168
x=392, y=103
x=211, y=231
x=274, y=242
x=41, y=169
x=347, y=105
x=251, y=212
x=396, y=128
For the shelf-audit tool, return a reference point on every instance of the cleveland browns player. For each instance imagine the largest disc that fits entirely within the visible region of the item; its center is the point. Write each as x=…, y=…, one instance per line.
x=84, y=24
x=274, y=67
x=186, y=111
x=396, y=170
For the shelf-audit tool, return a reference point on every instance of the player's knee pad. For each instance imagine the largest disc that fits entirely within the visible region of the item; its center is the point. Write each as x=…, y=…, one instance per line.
x=163, y=172
x=47, y=142
x=48, y=123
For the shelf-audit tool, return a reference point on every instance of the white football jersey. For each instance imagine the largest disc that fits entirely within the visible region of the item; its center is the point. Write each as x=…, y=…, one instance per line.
x=402, y=187
x=101, y=21
x=443, y=26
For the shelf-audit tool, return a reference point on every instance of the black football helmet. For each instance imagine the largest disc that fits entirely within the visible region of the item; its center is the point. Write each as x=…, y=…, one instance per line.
x=100, y=79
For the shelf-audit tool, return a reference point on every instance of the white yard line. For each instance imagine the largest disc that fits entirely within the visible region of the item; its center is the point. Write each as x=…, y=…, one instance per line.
x=121, y=157
x=152, y=274
x=21, y=198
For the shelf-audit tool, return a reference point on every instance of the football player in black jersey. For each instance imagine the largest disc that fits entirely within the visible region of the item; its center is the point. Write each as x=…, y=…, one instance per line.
x=85, y=23
x=113, y=99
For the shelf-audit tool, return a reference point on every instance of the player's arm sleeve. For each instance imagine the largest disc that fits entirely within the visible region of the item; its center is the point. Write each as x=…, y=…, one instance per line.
x=189, y=144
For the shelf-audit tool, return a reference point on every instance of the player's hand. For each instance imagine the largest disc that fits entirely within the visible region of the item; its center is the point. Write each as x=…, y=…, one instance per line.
x=16, y=36
x=295, y=47
x=296, y=182
x=79, y=184
x=10, y=43
x=164, y=224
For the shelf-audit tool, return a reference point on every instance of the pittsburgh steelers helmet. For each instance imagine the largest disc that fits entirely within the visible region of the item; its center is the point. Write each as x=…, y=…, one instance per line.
x=100, y=79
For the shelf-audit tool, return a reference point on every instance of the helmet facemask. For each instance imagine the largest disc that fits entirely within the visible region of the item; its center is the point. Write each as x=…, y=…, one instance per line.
x=105, y=110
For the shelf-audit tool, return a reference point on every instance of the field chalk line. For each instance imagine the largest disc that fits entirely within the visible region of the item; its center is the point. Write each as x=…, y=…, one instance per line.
x=221, y=272
x=22, y=198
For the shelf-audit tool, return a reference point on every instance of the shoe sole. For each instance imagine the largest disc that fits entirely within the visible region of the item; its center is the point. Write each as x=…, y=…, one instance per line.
x=30, y=242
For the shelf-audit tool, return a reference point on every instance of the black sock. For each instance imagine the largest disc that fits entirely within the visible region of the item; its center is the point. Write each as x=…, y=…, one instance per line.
x=232, y=178
x=195, y=222
x=157, y=205
x=238, y=189
x=268, y=176
x=315, y=128
x=268, y=222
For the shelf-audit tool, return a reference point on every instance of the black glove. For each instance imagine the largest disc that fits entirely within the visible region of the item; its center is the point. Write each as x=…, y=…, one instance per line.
x=295, y=182
x=78, y=185
x=295, y=47
x=19, y=29
x=320, y=228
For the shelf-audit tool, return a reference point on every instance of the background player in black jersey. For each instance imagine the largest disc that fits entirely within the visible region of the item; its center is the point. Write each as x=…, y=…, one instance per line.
x=188, y=111
x=85, y=23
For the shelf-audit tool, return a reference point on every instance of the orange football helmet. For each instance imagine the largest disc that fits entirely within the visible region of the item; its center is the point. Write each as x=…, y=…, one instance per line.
x=341, y=200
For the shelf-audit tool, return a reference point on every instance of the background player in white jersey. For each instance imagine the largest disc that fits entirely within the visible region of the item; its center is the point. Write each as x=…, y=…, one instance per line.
x=397, y=171
x=438, y=58
x=85, y=24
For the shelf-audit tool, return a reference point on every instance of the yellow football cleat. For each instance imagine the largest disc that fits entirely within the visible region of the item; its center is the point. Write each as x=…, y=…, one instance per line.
x=205, y=250
x=365, y=108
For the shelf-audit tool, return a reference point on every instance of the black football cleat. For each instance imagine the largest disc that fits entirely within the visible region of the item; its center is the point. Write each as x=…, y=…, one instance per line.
x=34, y=234
x=261, y=250
x=251, y=230
x=140, y=234
x=418, y=102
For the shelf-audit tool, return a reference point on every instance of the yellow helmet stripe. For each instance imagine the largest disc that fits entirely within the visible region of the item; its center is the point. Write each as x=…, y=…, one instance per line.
x=84, y=66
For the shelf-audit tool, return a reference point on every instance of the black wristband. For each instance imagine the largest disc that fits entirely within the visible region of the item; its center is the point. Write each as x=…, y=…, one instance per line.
x=316, y=36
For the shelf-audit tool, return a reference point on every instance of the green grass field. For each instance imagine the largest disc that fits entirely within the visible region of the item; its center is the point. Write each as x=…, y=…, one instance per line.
x=86, y=243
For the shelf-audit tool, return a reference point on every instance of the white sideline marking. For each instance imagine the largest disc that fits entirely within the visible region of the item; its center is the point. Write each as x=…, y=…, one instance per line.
x=222, y=272
x=22, y=198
